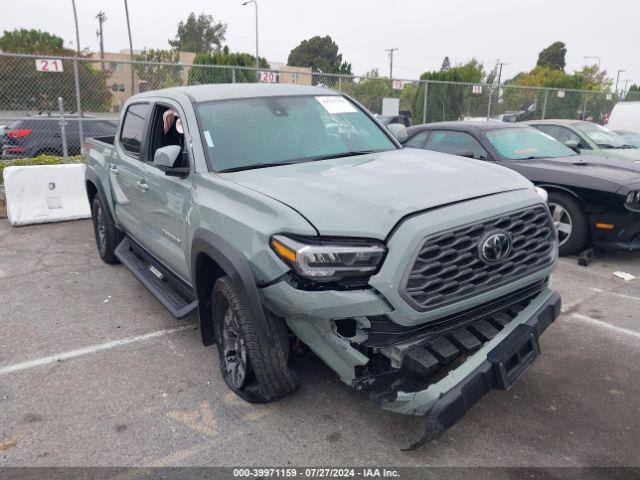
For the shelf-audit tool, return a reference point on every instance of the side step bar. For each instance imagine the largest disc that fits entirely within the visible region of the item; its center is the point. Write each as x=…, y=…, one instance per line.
x=173, y=293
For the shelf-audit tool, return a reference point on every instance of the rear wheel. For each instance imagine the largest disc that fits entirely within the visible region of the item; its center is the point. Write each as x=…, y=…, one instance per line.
x=570, y=221
x=253, y=368
x=107, y=234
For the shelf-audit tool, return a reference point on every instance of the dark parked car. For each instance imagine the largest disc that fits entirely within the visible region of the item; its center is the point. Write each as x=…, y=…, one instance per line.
x=41, y=135
x=592, y=199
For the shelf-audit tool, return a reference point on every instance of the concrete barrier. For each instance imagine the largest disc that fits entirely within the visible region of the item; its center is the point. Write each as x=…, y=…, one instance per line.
x=45, y=193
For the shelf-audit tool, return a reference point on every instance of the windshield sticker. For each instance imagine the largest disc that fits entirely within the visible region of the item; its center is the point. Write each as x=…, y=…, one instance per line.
x=526, y=151
x=207, y=137
x=336, y=104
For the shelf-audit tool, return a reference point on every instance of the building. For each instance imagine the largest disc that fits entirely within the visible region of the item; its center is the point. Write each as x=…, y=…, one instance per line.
x=119, y=81
x=287, y=74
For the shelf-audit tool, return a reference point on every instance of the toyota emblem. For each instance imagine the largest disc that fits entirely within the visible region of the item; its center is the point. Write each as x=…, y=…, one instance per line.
x=495, y=246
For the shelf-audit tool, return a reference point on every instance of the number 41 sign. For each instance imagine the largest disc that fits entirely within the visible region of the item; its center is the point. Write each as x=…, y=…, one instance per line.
x=49, y=65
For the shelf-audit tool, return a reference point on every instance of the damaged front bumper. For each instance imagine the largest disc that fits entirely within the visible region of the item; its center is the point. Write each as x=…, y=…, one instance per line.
x=496, y=366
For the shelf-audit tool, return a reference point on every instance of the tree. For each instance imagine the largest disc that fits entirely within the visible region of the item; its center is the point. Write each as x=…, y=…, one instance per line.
x=450, y=102
x=371, y=89
x=210, y=74
x=31, y=41
x=553, y=56
x=201, y=34
x=157, y=76
x=24, y=88
x=446, y=64
x=321, y=55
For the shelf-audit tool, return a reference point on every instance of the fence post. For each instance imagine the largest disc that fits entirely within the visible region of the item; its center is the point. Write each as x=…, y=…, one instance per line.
x=76, y=75
x=584, y=106
x=544, y=103
x=424, y=101
x=63, y=130
x=233, y=75
x=489, y=104
x=340, y=83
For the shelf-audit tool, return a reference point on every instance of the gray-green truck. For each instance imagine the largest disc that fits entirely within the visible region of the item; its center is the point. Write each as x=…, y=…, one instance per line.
x=288, y=218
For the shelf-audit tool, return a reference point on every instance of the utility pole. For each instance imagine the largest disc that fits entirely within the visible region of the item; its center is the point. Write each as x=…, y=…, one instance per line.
x=618, y=80
x=101, y=19
x=126, y=11
x=76, y=74
x=255, y=3
x=500, y=72
x=391, y=50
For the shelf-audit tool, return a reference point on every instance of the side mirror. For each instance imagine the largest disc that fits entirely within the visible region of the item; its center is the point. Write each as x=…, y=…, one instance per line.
x=573, y=145
x=166, y=156
x=398, y=130
x=466, y=153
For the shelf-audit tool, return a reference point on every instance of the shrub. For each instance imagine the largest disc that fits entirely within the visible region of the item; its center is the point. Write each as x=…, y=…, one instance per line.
x=41, y=160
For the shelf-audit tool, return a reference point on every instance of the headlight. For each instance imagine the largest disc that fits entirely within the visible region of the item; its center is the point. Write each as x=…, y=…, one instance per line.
x=543, y=193
x=633, y=201
x=329, y=260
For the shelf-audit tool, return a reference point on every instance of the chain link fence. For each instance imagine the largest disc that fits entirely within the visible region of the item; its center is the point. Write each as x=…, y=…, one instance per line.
x=40, y=114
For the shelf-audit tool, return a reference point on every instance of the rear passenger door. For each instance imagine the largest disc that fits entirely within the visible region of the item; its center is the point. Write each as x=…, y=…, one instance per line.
x=127, y=170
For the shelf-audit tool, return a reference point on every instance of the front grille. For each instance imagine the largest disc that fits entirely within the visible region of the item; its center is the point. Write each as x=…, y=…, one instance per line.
x=448, y=267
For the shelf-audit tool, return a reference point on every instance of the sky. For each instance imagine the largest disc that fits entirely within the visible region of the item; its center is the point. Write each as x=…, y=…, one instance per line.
x=424, y=31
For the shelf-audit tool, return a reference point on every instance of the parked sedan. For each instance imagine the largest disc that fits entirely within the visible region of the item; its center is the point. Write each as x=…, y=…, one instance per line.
x=588, y=137
x=593, y=199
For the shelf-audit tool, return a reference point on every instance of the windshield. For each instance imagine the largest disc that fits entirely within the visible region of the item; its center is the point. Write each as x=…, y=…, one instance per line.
x=603, y=137
x=526, y=143
x=250, y=133
x=631, y=138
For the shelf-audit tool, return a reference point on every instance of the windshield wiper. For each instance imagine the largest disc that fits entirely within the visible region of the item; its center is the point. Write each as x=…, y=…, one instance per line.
x=338, y=155
x=606, y=146
x=255, y=165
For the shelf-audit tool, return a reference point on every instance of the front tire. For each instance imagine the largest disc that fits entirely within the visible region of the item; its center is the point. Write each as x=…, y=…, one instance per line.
x=253, y=369
x=107, y=234
x=570, y=221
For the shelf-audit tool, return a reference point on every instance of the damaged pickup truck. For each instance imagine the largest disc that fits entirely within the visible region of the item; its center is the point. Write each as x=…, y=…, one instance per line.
x=287, y=215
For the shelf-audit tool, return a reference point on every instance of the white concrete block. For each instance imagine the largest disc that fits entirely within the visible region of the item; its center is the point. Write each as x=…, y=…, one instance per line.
x=45, y=193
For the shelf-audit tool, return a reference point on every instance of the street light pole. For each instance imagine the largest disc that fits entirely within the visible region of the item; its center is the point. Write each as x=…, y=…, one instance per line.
x=76, y=75
x=126, y=11
x=618, y=79
x=255, y=3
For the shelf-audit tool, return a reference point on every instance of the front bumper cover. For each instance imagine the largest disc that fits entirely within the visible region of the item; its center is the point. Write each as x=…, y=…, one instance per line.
x=499, y=370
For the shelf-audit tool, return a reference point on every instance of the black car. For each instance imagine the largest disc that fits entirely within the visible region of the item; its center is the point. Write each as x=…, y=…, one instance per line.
x=41, y=135
x=592, y=199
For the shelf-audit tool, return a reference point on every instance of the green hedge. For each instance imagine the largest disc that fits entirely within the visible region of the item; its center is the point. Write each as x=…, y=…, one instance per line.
x=41, y=160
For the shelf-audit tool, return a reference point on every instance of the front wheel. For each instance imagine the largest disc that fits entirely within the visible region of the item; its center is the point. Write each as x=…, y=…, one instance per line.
x=570, y=221
x=254, y=368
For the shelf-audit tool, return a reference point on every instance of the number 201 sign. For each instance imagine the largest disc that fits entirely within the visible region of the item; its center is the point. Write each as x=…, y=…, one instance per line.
x=49, y=65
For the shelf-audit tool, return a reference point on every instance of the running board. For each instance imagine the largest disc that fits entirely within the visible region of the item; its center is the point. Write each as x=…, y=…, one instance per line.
x=173, y=293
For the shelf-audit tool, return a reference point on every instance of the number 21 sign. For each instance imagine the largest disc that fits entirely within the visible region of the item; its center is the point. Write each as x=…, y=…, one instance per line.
x=49, y=65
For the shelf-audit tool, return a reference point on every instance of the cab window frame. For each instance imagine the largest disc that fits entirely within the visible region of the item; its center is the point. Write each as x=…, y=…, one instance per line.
x=145, y=128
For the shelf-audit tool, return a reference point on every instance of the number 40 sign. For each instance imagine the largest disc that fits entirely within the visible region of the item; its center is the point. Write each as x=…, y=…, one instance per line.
x=49, y=65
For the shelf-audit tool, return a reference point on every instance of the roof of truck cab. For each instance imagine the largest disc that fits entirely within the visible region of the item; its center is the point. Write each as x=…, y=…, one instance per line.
x=226, y=91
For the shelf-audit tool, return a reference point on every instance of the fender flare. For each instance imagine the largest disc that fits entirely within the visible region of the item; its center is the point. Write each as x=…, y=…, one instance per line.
x=235, y=265
x=92, y=177
x=561, y=188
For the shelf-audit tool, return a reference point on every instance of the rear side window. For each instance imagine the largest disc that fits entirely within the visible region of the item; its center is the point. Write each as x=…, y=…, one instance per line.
x=455, y=143
x=133, y=128
x=417, y=141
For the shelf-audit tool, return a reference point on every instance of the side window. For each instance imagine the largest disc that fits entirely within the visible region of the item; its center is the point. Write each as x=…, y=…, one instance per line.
x=167, y=128
x=417, y=141
x=562, y=134
x=454, y=143
x=133, y=128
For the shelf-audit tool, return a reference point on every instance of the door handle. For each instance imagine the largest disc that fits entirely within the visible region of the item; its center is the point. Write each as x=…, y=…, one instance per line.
x=114, y=170
x=143, y=185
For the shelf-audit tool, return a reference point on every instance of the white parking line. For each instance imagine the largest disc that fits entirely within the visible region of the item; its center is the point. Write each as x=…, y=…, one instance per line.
x=615, y=294
x=605, y=325
x=38, y=362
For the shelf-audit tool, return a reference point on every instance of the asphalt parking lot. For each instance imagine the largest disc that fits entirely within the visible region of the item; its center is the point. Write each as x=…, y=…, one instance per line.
x=94, y=372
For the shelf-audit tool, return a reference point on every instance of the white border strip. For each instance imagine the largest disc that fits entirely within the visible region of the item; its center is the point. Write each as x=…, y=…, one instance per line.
x=608, y=326
x=38, y=362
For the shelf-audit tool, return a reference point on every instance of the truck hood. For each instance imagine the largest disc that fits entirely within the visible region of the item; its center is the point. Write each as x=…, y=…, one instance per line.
x=365, y=196
x=586, y=171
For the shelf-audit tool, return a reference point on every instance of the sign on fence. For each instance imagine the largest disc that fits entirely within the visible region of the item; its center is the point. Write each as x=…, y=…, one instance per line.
x=397, y=84
x=560, y=93
x=477, y=89
x=49, y=65
x=609, y=96
x=268, y=77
